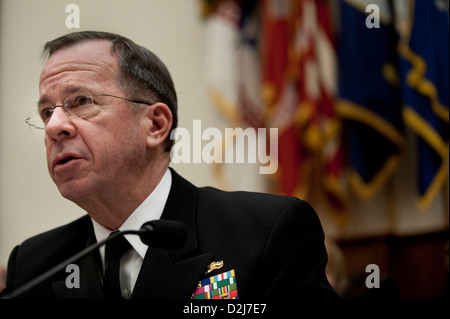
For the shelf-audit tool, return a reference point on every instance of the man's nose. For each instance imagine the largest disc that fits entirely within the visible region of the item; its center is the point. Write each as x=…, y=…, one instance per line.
x=60, y=125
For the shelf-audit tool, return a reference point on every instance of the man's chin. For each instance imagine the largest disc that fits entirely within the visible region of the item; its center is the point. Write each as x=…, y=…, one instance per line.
x=74, y=191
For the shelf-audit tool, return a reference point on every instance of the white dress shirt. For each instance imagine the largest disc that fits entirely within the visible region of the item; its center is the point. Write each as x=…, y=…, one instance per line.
x=150, y=209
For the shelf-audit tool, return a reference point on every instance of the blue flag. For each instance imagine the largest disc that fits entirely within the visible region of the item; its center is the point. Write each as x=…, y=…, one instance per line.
x=370, y=99
x=424, y=62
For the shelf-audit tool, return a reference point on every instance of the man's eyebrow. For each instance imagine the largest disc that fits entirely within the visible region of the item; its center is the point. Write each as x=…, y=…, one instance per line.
x=43, y=101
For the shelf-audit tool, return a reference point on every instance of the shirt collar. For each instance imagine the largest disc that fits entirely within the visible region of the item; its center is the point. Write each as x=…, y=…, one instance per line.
x=150, y=209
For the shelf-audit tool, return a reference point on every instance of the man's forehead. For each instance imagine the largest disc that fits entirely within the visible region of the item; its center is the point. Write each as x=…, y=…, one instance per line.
x=91, y=56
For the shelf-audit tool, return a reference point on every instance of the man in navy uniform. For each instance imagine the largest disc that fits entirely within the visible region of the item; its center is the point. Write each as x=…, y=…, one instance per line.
x=107, y=107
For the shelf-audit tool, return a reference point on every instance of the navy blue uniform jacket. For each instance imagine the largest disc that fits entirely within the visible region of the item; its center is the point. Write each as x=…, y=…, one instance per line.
x=275, y=244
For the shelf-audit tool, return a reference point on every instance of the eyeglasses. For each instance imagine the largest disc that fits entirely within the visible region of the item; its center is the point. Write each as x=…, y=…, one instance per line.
x=80, y=106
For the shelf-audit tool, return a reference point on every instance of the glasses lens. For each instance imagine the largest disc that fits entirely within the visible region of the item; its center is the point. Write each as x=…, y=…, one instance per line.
x=80, y=105
x=34, y=120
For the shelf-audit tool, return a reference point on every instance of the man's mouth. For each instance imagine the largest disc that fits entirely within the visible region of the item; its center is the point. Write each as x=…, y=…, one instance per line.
x=64, y=159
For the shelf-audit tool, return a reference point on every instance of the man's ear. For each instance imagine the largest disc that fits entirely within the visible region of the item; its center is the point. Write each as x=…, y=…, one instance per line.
x=159, y=119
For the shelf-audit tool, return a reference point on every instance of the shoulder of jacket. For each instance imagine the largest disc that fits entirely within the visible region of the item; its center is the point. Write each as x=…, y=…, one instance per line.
x=244, y=205
x=254, y=198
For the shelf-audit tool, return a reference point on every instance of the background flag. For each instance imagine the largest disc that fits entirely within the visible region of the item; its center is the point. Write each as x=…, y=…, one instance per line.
x=370, y=100
x=233, y=81
x=424, y=57
x=279, y=90
x=299, y=89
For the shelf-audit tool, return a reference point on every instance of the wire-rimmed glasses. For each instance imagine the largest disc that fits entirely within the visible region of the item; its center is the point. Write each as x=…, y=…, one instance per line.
x=76, y=106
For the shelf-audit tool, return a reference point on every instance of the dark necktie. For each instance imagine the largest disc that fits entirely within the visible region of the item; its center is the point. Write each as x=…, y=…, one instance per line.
x=114, y=249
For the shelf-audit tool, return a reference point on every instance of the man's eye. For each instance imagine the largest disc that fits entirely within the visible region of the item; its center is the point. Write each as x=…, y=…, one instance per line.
x=80, y=101
x=46, y=114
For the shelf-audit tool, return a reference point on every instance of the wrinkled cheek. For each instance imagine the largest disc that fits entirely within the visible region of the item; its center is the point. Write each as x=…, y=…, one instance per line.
x=48, y=158
x=100, y=153
x=119, y=151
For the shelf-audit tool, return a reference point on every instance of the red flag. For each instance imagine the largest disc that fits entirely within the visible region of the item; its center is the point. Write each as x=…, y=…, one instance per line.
x=300, y=79
x=280, y=91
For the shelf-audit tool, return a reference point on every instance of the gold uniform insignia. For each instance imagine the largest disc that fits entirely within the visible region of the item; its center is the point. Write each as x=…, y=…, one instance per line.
x=214, y=266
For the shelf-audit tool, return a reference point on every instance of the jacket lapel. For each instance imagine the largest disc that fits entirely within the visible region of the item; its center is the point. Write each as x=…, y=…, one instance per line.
x=163, y=278
x=174, y=273
x=165, y=273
